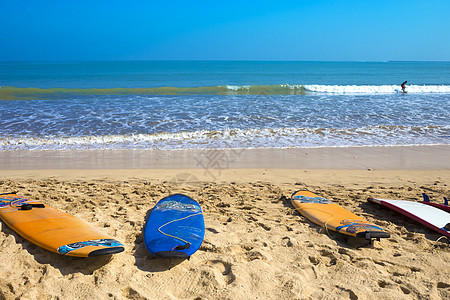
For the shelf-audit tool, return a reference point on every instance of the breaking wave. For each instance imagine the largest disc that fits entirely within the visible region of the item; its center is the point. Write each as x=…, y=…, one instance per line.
x=20, y=93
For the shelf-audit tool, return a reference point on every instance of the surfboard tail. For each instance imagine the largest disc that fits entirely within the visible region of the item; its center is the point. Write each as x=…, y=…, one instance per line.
x=374, y=235
x=171, y=254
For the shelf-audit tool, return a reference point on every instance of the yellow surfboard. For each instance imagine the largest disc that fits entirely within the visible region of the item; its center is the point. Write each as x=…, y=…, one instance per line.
x=327, y=214
x=53, y=229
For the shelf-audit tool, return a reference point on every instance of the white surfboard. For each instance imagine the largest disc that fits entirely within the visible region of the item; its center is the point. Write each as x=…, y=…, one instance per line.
x=401, y=91
x=427, y=215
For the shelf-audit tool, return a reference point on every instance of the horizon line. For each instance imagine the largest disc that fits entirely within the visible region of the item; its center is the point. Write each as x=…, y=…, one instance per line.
x=221, y=60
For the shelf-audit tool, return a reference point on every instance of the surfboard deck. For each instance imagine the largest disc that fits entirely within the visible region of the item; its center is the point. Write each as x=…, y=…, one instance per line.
x=175, y=227
x=438, y=205
x=331, y=216
x=427, y=215
x=54, y=230
x=444, y=206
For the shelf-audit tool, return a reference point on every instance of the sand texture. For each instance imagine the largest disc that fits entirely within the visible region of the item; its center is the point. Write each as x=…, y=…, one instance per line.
x=255, y=247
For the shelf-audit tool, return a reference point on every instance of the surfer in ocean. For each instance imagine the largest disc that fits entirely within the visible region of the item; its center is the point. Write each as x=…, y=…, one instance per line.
x=403, y=85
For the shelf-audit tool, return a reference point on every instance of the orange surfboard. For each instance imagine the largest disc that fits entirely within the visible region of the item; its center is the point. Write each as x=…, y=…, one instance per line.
x=327, y=214
x=54, y=230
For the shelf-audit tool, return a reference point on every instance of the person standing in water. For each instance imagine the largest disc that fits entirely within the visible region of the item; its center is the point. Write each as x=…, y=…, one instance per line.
x=403, y=85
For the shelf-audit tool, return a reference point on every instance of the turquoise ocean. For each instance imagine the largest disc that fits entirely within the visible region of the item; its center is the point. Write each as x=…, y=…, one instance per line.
x=222, y=104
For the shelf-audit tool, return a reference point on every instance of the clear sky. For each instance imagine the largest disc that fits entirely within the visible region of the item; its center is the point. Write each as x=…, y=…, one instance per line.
x=334, y=30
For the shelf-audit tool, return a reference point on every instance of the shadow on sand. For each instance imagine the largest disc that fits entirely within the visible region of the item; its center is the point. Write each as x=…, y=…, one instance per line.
x=65, y=264
x=147, y=262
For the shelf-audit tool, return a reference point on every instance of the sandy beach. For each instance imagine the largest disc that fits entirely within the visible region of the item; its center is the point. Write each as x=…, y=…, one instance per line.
x=255, y=247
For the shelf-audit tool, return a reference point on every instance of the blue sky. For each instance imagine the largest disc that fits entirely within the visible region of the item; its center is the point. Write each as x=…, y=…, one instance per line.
x=341, y=30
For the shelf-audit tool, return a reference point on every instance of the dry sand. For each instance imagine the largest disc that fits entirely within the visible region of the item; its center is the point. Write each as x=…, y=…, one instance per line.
x=255, y=247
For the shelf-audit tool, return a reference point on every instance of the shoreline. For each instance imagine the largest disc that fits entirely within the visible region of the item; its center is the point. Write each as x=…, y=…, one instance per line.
x=430, y=157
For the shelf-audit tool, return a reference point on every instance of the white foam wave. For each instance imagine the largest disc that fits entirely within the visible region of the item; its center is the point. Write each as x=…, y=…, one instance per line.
x=377, y=89
x=238, y=87
x=243, y=138
x=345, y=89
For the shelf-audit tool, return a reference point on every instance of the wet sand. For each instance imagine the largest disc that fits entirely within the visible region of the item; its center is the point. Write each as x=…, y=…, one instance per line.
x=354, y=158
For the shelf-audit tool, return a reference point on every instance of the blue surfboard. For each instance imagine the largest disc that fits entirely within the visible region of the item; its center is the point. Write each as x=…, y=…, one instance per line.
x=175, y=227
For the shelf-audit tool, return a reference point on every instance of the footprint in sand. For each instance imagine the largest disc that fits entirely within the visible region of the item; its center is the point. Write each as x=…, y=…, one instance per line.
x=130, y=293
x=443, y=285
x=222, y=271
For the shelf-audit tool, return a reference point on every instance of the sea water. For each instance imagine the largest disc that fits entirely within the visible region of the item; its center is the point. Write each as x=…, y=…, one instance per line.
x=221, y=104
